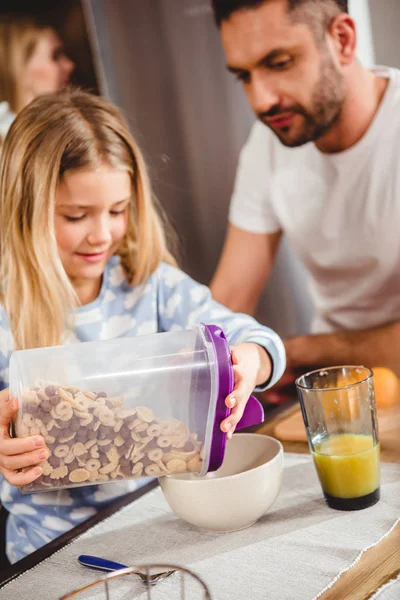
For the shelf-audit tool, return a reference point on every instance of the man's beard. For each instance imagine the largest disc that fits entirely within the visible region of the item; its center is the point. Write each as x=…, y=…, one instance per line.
x=327, y=102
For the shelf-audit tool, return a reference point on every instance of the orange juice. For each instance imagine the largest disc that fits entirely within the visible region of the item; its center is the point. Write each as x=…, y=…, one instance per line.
x=348, y=469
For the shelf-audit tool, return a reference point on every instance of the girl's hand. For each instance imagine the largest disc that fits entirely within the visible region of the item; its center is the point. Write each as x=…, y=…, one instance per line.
x=251, y=367
x=18, y=453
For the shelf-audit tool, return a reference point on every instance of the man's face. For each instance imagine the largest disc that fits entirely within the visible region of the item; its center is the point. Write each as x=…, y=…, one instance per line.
x=290, y=80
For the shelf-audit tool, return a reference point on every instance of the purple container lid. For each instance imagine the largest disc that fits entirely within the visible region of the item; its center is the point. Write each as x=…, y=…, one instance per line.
x=253, y=413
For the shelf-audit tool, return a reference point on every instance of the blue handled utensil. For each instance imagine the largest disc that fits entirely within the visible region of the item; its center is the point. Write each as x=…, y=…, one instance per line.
x=102, y=564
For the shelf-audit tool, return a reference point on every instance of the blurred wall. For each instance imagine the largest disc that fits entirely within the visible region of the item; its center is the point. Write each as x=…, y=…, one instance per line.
x=385, y=21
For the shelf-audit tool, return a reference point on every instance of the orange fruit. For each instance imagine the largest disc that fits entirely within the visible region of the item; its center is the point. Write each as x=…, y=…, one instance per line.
x=387, y=387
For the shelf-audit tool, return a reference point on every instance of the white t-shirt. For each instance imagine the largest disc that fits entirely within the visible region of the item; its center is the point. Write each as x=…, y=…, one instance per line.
x=340, y=212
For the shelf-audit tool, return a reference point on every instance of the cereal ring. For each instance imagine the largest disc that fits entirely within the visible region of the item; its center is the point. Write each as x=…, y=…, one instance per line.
x=49, y=439
x=30, y=396
x=67, y=438
x=145, y=414
x=61, y=451
x=164, y=442
x=155, y=454
x=50, y=424
x=71, y=388
x=64, y=395
x=94, y=451
x=132, y=424
x=153, y=430
x=117, y=401
x=176, y=465
x=84, y=422
x=94, y=476
x=70, y=457
x=106, y=470
x=186, y=456
x=62, y=411
x=93, y=464
x=104, y=442
x=102, y=477
x=79, y=475
x=128, y=452
x=113, y=455
x=59, y=473
x=152, y=470
x=195, y=464
x=79, y=449
x=28, y=420
x=89, y=444
x=42, y=427
x=137, y=469
x=118, y=426
x=137, y=456
x=125, y=413
x=141, y=428
x=106, y=416
x=46, y=468
x=116, y=473
x=169, y=427
x=82, y=402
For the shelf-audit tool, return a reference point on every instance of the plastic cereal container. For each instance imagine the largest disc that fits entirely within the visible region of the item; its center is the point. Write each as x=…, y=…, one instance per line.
x=129, y=407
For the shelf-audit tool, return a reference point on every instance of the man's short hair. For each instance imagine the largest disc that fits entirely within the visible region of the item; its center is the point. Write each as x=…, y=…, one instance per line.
x=224, y=8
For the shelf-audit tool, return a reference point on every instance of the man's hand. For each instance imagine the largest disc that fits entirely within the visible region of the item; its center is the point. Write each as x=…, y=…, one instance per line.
x=379, y=346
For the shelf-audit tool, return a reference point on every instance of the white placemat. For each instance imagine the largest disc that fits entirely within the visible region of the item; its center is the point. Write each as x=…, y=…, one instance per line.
x=294, y=552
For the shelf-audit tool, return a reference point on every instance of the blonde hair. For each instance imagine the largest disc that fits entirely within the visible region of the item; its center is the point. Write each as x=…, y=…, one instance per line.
x=54, y=134
x=18, y=38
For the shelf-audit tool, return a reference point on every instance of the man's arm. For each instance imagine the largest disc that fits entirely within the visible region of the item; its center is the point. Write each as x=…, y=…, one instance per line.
x=244, y=267
x=379, y=346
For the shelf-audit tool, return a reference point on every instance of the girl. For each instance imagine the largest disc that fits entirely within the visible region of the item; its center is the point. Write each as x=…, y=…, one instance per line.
x=84, y=257
x=32, y=63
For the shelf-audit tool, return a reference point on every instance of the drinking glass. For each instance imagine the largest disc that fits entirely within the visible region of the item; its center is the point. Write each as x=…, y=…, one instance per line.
x=339, y=412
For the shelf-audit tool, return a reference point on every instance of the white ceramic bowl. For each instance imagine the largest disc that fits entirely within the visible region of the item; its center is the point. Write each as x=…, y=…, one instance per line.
x=235, y=496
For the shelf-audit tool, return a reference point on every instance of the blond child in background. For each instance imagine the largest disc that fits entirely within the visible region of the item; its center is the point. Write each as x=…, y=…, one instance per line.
x=84, y=257
x=32, y=63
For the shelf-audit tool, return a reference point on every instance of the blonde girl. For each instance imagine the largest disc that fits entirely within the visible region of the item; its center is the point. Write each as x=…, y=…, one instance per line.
x=84, y=257
x=32, y=63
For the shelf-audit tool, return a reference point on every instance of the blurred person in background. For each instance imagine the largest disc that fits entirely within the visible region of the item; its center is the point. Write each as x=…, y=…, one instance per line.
x=32, y=63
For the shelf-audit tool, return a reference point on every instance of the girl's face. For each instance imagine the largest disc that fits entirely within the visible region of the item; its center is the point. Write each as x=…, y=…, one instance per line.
x=48, y=69
x=91, y=217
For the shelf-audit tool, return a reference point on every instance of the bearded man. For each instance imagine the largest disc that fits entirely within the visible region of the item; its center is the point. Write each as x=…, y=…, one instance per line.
x=321, y=166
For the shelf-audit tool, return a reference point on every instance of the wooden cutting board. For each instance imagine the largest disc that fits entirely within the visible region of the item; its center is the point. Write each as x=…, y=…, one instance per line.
x=291, y=429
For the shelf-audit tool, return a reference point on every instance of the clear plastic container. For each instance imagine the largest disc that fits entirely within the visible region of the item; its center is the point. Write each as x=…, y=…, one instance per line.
x=129, y=407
